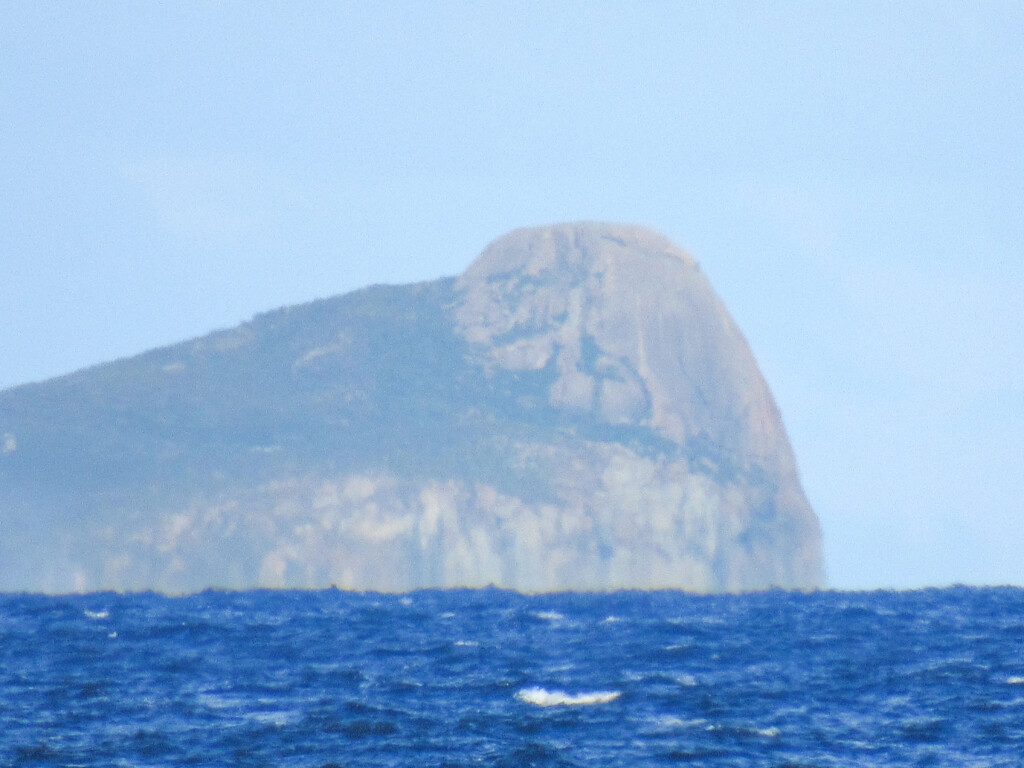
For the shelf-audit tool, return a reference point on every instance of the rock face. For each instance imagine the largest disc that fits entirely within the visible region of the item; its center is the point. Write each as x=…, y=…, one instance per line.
x=576, y=411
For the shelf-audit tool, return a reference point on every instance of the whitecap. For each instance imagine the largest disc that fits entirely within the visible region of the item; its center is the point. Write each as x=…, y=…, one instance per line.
x=97, y=614
x=549, y=615
x=467, y=643
x=769, y=733
x=1015, y=680
x=275, y=718
x=672, y=721
x=545, y=698
x=226, y=703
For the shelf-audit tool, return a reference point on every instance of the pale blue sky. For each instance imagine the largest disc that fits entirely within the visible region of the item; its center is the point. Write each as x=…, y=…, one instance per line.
x=849, y=175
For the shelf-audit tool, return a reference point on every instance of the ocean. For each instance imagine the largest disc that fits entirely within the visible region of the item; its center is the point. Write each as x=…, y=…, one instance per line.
x=496, y=678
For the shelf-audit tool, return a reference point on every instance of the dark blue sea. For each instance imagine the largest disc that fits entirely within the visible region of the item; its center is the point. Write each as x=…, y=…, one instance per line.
x=496, y=678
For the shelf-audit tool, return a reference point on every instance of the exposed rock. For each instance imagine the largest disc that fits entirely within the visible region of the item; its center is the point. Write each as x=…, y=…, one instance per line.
x=576, y=411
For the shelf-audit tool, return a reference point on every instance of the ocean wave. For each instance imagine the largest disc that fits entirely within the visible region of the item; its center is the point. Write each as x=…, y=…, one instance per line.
x=549, y=615
x=542, y=697
x=768, y=733
x=673, y=722
x=346, y=676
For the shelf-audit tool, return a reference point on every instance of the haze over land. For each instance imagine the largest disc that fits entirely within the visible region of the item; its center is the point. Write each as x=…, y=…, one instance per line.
x=847, y=173
x=576, y=411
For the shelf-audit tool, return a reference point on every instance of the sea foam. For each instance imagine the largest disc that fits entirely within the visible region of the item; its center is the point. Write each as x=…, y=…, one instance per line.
x=545, y=698
x=549, y=615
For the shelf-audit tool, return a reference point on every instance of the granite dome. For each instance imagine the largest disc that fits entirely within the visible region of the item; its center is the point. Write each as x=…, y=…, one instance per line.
x=577, y=410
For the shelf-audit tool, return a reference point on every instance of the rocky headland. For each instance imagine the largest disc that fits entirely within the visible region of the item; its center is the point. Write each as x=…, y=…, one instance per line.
x=577, y=410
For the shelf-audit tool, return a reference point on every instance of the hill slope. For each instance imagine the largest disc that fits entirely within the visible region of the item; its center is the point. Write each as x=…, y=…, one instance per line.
x=577, y=410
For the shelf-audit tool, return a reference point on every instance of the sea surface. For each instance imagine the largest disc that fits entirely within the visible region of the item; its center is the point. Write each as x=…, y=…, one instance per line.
x=496, y=678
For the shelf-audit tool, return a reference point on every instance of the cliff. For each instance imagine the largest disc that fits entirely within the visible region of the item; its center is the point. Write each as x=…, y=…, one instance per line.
x=575, y=411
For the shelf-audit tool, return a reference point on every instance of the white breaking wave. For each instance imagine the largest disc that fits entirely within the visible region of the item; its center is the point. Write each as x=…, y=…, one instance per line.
x=671, y=721
x=97, y=614
x=768, y=733
x=549, y=615
x=1015, y=681
x=545, y=698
